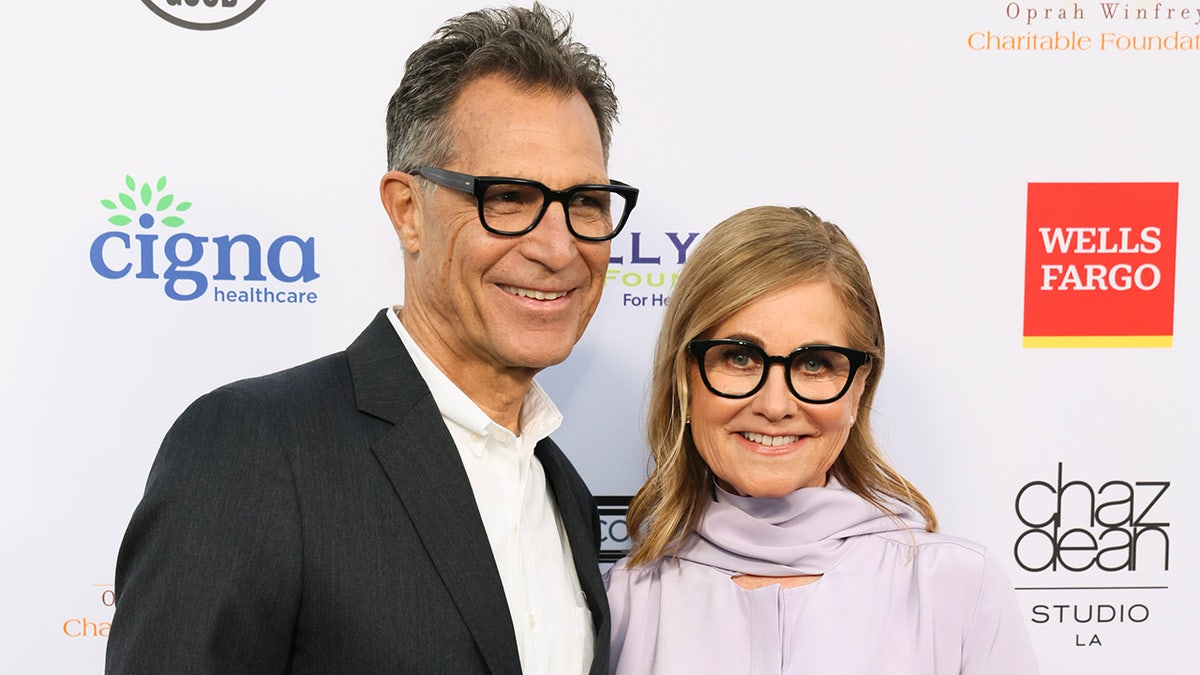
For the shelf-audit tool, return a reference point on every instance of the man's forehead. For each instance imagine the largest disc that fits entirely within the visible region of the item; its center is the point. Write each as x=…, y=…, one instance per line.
x=493, y=95
x=501, y=127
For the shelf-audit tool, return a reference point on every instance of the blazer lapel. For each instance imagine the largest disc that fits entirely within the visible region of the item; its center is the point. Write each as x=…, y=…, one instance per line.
x=420, y=459
x=584, y=536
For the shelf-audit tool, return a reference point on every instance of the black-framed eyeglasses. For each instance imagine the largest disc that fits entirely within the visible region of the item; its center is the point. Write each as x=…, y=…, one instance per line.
x=814, y=373
x=514, y=206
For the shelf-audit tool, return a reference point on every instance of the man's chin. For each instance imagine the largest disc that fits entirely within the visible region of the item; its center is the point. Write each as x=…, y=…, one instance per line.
x=540, y=361
x=538, y=355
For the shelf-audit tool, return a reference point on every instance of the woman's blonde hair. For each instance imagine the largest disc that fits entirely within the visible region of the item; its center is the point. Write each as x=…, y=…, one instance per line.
x=754, y=253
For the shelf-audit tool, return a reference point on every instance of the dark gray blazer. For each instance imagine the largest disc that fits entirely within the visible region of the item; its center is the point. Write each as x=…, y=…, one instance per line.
x=319, y=520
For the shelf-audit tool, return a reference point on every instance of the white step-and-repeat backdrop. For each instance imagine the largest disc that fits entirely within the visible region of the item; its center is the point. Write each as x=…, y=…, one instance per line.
x=183, y=207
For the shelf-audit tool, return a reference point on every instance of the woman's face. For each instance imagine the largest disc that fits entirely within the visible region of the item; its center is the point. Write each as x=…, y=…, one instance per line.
x=772, y=443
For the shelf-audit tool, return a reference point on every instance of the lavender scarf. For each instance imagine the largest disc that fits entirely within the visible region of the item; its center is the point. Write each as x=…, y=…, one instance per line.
x=805, y=532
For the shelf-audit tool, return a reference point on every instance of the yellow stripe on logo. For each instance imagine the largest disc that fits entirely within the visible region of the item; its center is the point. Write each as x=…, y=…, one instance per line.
x=1092, y=341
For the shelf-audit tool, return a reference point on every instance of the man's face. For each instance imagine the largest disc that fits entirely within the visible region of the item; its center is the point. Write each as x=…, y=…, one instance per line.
x=478, y=301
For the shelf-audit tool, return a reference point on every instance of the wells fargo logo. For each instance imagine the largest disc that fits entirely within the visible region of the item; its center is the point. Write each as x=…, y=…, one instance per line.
x=1100, y=264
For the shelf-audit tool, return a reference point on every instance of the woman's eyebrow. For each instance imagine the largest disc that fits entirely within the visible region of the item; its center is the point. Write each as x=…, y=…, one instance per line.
x=744, y=337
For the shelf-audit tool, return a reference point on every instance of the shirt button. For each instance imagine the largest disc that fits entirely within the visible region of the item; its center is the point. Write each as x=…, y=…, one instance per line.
x=532, y=621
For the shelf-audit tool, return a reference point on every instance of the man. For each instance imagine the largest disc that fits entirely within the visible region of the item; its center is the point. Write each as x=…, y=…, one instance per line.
x=398, y=507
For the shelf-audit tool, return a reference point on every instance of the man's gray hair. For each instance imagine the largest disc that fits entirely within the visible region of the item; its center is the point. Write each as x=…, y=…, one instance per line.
x=532, y=47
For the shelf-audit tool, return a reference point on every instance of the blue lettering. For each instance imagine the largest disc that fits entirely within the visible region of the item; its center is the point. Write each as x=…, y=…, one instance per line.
x=147, y=250
x=682, y=247
x=288, y=259
x=98, y=262
x=174, y=274
x=253, y=257
x=637, y=253
x=307, y=271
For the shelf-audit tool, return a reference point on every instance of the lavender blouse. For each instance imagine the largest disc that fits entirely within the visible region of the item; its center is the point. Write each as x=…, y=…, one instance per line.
x=892, y=598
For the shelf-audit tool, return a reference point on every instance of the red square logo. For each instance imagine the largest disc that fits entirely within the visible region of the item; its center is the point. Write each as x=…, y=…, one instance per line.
x=1100, y=264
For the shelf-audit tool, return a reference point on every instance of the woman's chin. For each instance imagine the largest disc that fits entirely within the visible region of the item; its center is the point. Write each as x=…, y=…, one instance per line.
x=770, y=489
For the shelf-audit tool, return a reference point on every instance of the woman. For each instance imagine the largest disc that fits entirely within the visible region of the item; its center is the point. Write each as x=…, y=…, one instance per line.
x=772, y=535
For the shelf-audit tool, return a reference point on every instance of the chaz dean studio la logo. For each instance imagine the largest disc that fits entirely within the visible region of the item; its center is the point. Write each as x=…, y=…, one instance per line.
x=148, y=243
x=1076, y=526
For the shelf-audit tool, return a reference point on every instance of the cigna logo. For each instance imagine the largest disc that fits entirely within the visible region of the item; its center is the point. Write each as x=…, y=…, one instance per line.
x=186, y=259
x=204, y=14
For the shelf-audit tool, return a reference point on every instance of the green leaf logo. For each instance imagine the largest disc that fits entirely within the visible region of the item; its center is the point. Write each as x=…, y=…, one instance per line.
x=146, y=204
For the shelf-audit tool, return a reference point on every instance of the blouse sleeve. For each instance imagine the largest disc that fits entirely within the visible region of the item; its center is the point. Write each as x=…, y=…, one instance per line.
x=996, y=642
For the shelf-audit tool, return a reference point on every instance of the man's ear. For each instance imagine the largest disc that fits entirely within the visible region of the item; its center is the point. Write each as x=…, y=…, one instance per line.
x=398, y=191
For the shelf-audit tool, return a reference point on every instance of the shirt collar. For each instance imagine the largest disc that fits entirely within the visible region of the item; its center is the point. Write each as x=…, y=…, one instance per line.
x=539, y=416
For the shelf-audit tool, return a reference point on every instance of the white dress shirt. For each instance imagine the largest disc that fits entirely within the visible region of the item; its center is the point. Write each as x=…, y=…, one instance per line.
x=550, y=617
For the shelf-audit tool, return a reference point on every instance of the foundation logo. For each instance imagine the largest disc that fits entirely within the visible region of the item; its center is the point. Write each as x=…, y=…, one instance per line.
x=94, y=622
x=186, y=260
x=646, y=272
x=1102, y=550
x=1110, y=28
x=1100, y=264
x=204, y=14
